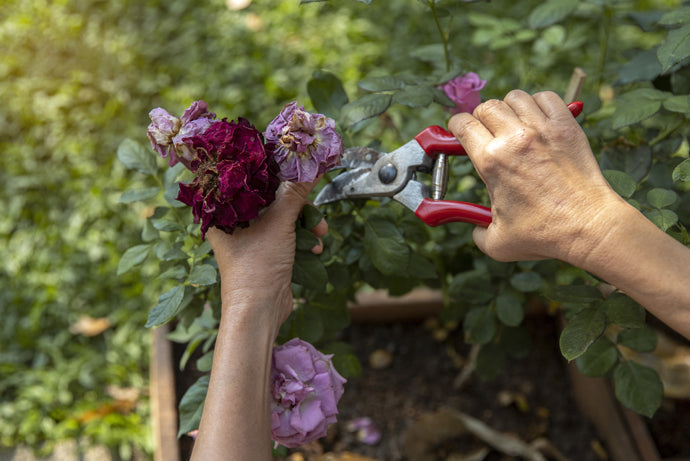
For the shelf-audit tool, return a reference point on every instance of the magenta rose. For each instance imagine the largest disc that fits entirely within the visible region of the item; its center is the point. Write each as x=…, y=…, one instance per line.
x=306, y=389
x=168, y=133
x=305, y=144
x=464, y=92
x=235, y=176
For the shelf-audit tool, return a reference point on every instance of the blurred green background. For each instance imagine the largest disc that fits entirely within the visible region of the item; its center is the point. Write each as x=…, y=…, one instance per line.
x=79, y=76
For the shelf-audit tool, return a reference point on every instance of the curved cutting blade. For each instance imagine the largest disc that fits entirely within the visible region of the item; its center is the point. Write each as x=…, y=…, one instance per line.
x=341, y=186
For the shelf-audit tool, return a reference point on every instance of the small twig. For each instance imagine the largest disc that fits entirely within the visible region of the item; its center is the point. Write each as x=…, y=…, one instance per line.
x=467, y=370
x=575, y=85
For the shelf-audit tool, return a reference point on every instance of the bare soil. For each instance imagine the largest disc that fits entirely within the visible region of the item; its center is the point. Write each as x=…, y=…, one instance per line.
x=532, y=399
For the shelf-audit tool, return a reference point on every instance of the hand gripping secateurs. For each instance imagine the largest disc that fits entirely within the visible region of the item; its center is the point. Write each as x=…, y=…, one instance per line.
x=370, y=173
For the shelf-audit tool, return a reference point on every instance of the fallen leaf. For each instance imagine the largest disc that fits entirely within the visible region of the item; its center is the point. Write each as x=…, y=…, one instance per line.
x=89, y=326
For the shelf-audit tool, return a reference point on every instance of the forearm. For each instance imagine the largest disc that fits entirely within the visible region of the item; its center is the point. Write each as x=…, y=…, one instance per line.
x=236, y=420
x=641, y=260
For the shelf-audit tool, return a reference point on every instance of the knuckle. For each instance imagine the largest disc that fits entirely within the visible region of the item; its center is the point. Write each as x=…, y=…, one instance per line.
x=460, y=124
x=487, y=108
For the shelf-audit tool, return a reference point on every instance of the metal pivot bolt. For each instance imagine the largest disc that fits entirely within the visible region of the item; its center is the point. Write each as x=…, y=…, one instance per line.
x=439, y=177
x=388, y=173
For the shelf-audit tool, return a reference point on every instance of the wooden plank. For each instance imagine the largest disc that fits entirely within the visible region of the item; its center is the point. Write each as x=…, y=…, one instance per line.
x=163, y=400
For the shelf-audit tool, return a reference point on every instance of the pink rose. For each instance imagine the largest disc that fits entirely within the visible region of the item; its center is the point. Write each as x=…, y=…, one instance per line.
x=464, y=92
x=306, y=389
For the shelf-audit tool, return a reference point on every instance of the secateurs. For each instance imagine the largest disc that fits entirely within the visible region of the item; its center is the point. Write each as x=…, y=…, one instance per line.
x=370, y=173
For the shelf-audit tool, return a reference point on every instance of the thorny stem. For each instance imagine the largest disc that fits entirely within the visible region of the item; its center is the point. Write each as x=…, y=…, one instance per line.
x=432, y=6
x=605, y=31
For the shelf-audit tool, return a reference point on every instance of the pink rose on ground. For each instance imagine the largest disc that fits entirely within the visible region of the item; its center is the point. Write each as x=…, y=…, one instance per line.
x=305, y=144
x=464, y=92
x=235, y=176
x=367, y=431
x=168, y=133
x=306, y=389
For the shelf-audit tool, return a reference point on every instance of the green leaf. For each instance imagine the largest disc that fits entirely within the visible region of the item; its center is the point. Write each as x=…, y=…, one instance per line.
x=311, y=216
x=664, y=219
x=581, y=331
x=367, y=106
x=638, y=387
x=309, y=271
x=472, y=287
x=677, y=104
x=326, y=93
x=307, y=324
x=203, y=363
x=382, y=83
x=137, y=195
x=173, y=173
x=624, y=311
x=676, y=17
x=171, y=193
x=344, y=358
x=675, y=48
x=573, y=294
x=480, y=325
x=178, y=272
x=203, y=274
x=414, y=96
x=599, y=358
x=644, y=66
x=136, y=157
x=635, y=161
x=509, y=308
x=167, y=225
x=386, y=246
x=526, y=281
x=661, y=198
x=306, y=240
x=421, y=267
x=133, y=257
x=551, y=12
x=192, y=405
x=637, y=105
x=638, y=339
x=682, y=171
x=622, y=183
x=169, y=305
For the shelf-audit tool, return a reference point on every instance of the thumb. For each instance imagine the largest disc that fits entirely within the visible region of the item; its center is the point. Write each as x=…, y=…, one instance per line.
x=291, y=198
x=479, y=236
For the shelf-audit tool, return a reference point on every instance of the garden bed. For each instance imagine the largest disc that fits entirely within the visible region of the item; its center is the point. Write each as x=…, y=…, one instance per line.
x=532, y=399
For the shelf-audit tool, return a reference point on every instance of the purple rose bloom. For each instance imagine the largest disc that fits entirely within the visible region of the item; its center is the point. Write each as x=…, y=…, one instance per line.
x=235, y=176
x=306, y=390
x=168, y=133
x=464, y=91
x=305, y=144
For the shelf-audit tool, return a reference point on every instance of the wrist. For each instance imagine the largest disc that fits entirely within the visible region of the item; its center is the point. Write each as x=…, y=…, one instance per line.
x=602, y=230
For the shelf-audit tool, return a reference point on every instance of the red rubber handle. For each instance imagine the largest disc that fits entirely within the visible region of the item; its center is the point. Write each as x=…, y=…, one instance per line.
x=436, y=140
x=437, y=212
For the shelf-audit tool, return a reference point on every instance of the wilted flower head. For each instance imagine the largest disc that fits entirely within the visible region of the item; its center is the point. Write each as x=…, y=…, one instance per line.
x=367, y=431
x=306, y=390
x=305, y=144
x=168, y=133
x=464, y=92
x=235, y=176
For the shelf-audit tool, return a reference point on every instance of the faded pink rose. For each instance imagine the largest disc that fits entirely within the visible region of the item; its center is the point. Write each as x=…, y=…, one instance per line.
x=235, y=176
x=306, y=389
x=168, y=133
x=305, y=144
x=464, y=92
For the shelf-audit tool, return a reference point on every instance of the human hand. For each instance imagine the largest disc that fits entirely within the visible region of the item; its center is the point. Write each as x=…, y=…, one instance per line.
x=548, y=196
x=255, y=263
